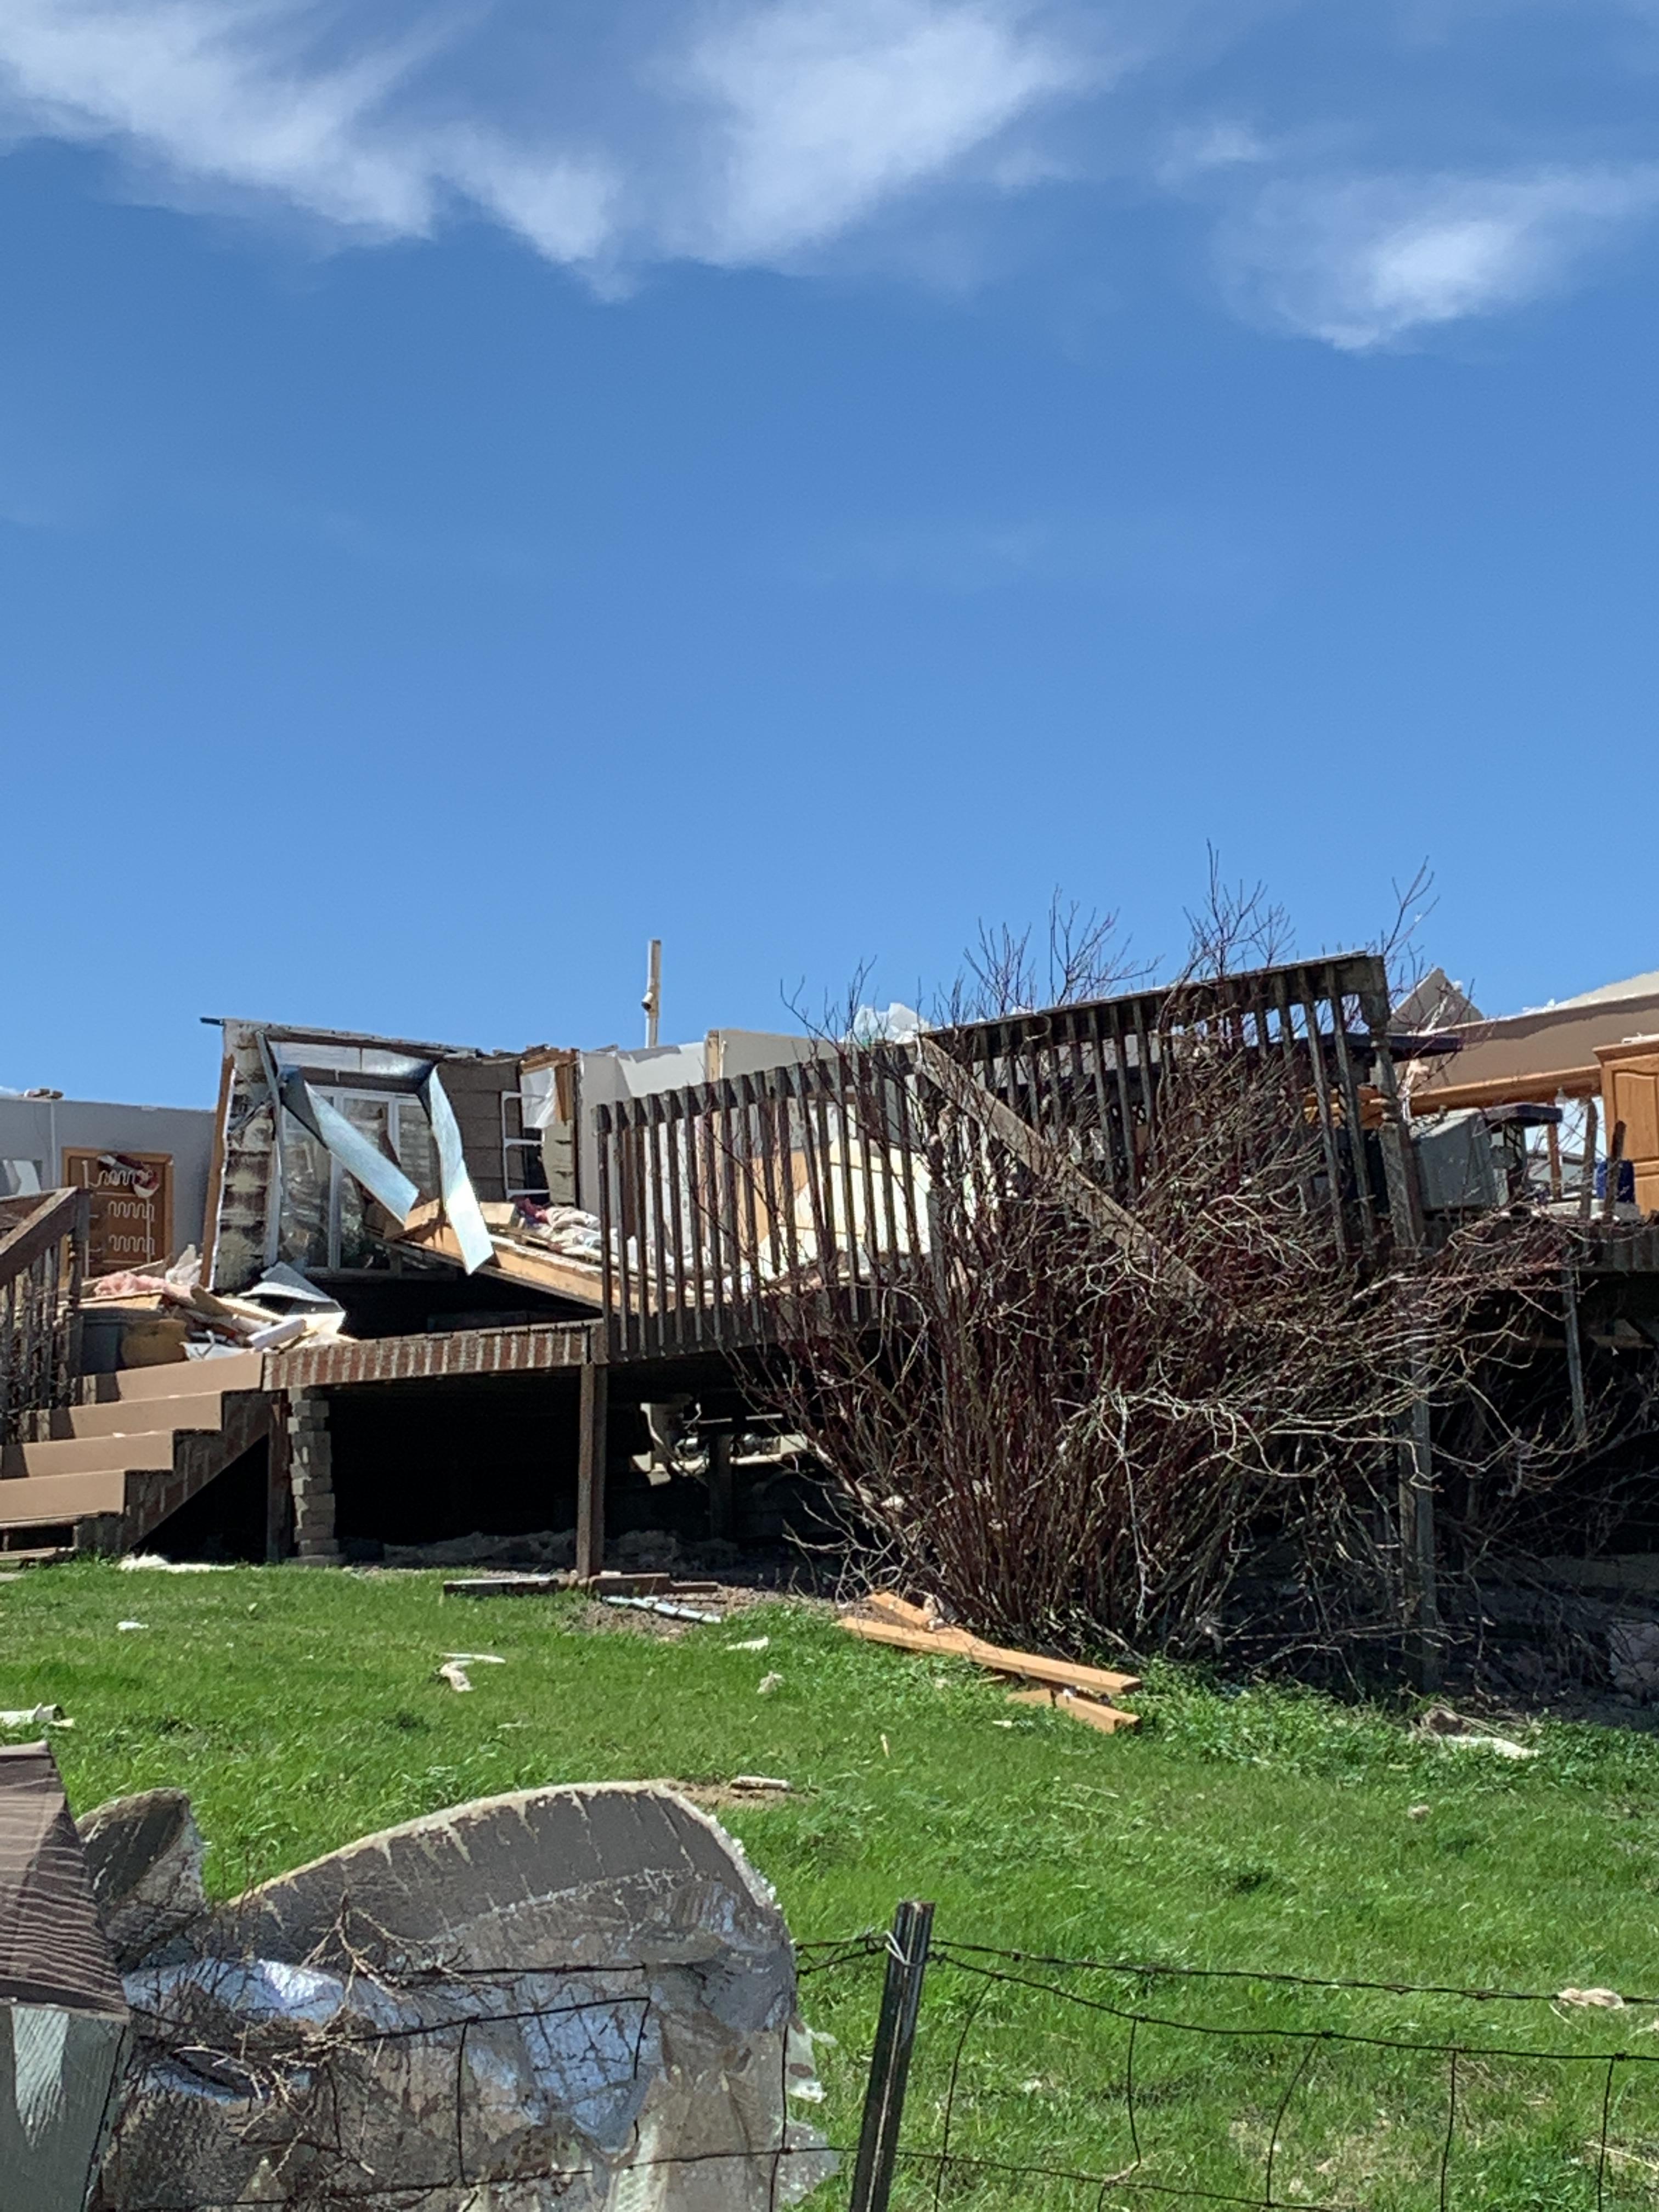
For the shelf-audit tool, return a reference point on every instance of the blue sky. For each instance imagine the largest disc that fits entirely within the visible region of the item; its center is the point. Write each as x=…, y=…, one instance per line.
x=483, y=482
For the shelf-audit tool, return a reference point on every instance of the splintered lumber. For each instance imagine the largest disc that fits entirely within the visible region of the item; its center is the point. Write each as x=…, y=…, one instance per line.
x=1029, y=1666
x=427, y=1231
x=1107, y=1718
x=506, y=1585
x=1080, y=1192
x=893, y=1608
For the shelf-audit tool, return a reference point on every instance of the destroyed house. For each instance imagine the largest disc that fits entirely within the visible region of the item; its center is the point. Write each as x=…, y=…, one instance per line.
x=548, y=1269
x=365, y=1164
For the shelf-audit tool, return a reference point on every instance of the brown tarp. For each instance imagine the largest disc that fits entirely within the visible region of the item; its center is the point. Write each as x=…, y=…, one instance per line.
x=52, y=1948
x=63, y=2016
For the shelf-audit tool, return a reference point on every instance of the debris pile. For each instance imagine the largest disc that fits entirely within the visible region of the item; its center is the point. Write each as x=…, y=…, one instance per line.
x=574, y=1997
x=155, y=1319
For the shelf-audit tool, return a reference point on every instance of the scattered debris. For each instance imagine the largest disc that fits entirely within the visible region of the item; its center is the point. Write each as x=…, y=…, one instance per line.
x=1596, y=1999
x=754, y=1643
x=1455, y=1732
x=475, y=1658
x=667, y=1607
x=1418, y=1812
x=1083, y=1691
x=455, y=1676
x=126, y=1627
x=35, y=1717
x=761, y=1782
x=768, y=1683
x=153, y=1563
x=506, y=1585
x=64, y=2019
x=375, y=2014
x=543, y=1549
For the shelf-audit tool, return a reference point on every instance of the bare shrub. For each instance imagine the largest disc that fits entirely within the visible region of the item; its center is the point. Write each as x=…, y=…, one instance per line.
x=1189, y=1437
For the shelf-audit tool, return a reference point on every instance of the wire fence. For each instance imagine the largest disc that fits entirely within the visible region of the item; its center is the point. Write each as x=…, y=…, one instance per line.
x=957, y=2076
x=1048, y=2081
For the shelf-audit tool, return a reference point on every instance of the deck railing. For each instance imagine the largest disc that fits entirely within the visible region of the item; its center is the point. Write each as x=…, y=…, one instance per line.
x=42, y=1254
x=717, y=1197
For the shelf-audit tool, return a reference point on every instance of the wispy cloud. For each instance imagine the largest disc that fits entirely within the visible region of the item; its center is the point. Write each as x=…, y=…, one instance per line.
x=736, y=135
x=1361, y=262
x=1376, y=172
x=829, y=109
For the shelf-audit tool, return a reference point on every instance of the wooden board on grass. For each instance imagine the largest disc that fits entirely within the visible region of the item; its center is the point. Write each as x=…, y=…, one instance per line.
x=1029, y=1666
x=1107, y=1718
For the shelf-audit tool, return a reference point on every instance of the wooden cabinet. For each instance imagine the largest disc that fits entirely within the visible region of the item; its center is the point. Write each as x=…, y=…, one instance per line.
x=1629, y=1094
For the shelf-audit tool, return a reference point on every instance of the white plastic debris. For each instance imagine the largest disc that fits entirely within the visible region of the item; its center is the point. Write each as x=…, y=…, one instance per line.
x=126, y=1627
x=1458, y=1734
x=455, y=1676
x=667, y=1607
x=475, y=1658
x=761, y=1782
x=34, y=1716
x=768, y=1683
x=755, y=1643
x=1595, y=2000
x=152, y=1563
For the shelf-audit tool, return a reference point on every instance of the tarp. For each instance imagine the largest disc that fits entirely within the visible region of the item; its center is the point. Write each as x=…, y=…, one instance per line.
x=63, y=2016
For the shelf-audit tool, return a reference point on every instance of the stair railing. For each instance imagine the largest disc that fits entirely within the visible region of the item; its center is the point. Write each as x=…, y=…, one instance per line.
x=43, y=1258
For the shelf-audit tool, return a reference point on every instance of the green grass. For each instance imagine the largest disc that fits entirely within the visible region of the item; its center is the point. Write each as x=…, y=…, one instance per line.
x=1266, y=1829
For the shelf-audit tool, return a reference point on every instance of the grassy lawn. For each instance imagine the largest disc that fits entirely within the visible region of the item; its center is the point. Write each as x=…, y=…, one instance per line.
x=1261, y=1829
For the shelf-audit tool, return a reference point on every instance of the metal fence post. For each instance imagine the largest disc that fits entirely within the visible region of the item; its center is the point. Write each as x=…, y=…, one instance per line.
x=889, y=2062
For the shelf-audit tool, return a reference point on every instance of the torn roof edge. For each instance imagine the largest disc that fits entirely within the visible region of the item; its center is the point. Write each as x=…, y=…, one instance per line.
x=304, y=1033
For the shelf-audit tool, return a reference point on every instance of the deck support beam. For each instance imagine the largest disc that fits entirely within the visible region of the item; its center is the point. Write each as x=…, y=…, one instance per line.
x=590, y=1464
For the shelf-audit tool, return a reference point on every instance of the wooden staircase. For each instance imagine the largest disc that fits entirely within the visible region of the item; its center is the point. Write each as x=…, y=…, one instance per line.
x=111, y=1470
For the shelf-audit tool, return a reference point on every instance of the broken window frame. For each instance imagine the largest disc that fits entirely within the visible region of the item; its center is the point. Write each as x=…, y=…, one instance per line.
x=396, y=1082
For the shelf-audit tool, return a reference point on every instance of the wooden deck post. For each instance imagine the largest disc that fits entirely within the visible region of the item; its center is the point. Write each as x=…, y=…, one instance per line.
x=590, y=1463
x=278, y=1494
x=1418, y=1545
x=722, y=1489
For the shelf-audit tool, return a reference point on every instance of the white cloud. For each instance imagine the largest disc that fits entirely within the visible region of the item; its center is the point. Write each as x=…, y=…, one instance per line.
x=1360, y=262
x=220, y=89
x=833, y=107
x=736, y=135
x=1352, y=205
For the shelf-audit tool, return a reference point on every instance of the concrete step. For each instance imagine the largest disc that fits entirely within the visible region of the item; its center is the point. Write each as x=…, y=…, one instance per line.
x=151, y=1447
x=33, y=1500
x=135, y=1416
x=184, y=1378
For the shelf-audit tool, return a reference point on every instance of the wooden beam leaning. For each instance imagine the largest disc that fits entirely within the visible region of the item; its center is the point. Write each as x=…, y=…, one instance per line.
x=1085, y=1197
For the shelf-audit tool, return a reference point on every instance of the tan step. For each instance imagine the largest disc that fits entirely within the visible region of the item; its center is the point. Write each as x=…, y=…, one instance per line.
x=151, y=1447
x=61, y=1497
x=130, y=1416
x=186, y=1378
